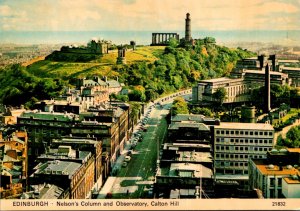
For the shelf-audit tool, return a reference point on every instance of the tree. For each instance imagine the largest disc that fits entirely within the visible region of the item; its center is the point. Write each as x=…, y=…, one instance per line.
x=179, y=106
x=292, y=139
x=204, y=111
x=220, y=95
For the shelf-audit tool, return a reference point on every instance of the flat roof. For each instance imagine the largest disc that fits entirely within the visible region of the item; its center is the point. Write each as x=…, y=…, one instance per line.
x=270, y=169
x=290, y=180
x=223, y=79
x=200, y=126
x=189, y=156
x=261, y=72
x=49, y=115
x=244, y=126
x=58, y=167
x=291, y=68
x=293, y=149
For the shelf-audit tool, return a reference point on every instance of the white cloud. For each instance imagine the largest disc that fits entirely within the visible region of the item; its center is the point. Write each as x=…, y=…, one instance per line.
x=149, y=14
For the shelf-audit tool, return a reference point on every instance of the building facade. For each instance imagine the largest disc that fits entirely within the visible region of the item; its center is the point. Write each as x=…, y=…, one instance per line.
x=277, y=175
x=235, y=144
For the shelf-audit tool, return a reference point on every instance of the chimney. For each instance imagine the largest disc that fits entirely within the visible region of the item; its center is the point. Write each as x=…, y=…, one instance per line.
x=267, y=101
x=261, y=60
x=273, y=59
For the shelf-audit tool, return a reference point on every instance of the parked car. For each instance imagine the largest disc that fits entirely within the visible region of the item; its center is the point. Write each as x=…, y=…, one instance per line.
x=124, y=164
x=127, y=158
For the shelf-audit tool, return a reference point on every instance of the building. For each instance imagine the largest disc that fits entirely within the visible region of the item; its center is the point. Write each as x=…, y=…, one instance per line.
x=277, y=175
x=92, y=145
x=240, y=84
x=14, y=164
x=69, y=169
x=235, y=143
x=44, y=126
x=10, y=115
x=45, y=191
x=182, y=180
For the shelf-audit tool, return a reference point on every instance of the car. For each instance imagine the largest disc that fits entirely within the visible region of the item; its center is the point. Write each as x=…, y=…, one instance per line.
x=127, y=158
x=124, y=164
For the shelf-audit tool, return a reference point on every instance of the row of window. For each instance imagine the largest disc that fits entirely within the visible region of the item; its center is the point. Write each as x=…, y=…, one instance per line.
x=238, y=156
x=242, y=148
x=231, y=171
x=244, y=141
x=231, y=164
x=242, y=132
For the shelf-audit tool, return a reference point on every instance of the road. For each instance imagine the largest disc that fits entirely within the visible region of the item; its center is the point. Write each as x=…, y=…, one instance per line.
x=134, y=180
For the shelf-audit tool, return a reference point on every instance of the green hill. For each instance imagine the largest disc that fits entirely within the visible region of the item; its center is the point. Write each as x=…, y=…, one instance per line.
x=150, y=71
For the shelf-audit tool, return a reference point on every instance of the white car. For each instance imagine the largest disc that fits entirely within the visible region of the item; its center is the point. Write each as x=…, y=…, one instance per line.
x=127, y=158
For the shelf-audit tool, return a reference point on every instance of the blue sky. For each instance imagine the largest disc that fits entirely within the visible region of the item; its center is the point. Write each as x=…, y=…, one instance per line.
x=145, y=15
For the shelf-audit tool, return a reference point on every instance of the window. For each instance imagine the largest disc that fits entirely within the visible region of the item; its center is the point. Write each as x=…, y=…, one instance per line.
x=251, y=141
x=260, y=133
x=217, y=155
x=227, y=132
x=236, y=148
x=246, y=148
x=265, y=133
x=246, y=141
x=236, y=156
x=272, y=182
x=231, y=140
x=265, y=141
x=231, y=156
x=246, y=132
x=217, y=147
x=222, y=148
x=246, y=156
x=270, y=141
x=222, y=155
x=242, y=132
x=241, y=148
x=251, y=133
x=227, y=148
x=222, y=132
x=231, y=132
x=236, y=132
x=218, y=132
x=241, y=141
x=265, y=149
x=241, y=156
x=260, y=141
x=218, y=140
x=226, y=156
x=256, y=133
x=256, y=141
x=236, y=164
x=279, y=181
x=270, y=133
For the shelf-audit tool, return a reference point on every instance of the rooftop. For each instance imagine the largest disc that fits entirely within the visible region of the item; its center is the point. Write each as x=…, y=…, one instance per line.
x=244, y=126
x=48, y=115
x=292, y=180
x=218, y=80
x=57, y=167
x=177, y=125
x=262, y=72
x=291, y=68
x=66, y=153
x=113, y=83
x=185, y=170
x=270, y=169
x=188, y=156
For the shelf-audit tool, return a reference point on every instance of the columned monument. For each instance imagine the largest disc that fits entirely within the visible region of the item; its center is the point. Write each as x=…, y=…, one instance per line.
x=163, y=38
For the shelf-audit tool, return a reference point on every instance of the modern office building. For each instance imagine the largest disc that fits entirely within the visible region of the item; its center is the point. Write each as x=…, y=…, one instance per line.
x=235, y=143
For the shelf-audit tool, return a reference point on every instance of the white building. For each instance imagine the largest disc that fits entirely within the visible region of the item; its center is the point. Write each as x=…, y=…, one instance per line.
x=235, y=144
x=277, y=176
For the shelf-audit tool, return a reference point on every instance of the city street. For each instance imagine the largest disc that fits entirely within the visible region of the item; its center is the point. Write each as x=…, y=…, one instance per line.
x=134, y=180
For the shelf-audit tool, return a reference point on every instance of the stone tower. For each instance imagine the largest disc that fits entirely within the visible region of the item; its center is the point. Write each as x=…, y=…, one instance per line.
x=121, y=55
x=188, y=34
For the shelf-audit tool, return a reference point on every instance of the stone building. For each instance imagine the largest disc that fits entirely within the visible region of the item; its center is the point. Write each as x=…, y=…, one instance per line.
x=83, y=144
x=236, y=143
x=278, y=174
x=69, y=169
x=14, y=164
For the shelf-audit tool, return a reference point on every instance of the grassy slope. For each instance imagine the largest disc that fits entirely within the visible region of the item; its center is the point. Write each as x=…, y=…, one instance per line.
x=101, y=66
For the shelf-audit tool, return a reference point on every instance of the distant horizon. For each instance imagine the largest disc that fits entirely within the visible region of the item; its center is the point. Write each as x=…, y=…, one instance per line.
x=143, y=37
